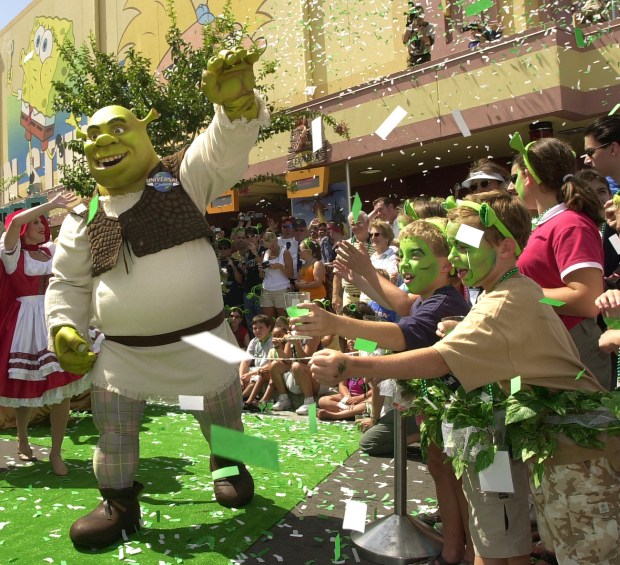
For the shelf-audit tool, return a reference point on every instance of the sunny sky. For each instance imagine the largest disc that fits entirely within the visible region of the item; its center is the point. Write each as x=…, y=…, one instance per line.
x=9, y=9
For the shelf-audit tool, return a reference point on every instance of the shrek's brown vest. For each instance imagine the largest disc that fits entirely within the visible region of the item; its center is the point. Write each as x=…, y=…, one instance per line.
x=165, y=216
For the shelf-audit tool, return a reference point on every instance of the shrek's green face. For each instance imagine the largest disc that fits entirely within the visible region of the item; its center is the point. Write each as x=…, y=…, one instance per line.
x=472, y=264
x=419, y=267
x=118, y=149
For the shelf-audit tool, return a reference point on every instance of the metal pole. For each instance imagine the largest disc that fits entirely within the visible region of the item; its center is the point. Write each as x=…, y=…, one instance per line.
x=398, y=538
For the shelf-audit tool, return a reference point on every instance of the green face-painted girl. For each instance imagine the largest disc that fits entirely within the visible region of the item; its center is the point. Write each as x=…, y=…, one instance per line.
x=472, y=264
x=517, y=174
x=419, y=267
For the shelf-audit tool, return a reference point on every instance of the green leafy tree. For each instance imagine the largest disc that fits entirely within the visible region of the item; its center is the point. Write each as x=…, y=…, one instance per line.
x=96, y=79
x=7, y=182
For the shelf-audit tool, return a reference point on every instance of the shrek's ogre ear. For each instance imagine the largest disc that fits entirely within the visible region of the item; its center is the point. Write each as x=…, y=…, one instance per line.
x=151, y=117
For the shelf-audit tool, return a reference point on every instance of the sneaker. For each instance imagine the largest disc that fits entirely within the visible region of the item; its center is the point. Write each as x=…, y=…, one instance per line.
x=283, y=403
x=303, y=409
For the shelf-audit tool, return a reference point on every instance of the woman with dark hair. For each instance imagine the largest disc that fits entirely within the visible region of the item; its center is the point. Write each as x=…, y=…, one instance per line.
x=564, y=254
x=311, y=276
x=30, y=375
x=602, y=146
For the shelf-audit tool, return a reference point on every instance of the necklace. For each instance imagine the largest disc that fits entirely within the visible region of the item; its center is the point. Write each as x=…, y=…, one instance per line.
x=504, y=277
x=536, y=220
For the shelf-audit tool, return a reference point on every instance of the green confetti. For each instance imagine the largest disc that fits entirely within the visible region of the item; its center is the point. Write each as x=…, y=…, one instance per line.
x=241, y=447
x=614, y=110
x=478, y=7
x=312, y=426
x=364, y=345
x=515, y=385
x=93, y=207
x=579, y=37
x=231, y=471
x=356, y=208
x=337, y=548
x=551, y=301
x=580, y=374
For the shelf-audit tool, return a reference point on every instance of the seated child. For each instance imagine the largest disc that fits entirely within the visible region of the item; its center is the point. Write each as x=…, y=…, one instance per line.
x=351, y=400
x=264, y=382
x=258, y=348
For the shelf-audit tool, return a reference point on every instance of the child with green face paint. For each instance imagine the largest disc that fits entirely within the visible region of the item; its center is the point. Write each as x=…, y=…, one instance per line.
x=426, y=271
x=513, y=339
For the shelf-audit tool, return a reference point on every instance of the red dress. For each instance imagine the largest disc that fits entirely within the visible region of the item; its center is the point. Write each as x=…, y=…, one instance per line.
x=29, y=373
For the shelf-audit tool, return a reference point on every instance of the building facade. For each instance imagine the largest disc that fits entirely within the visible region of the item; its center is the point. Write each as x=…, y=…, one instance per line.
x=346, y=58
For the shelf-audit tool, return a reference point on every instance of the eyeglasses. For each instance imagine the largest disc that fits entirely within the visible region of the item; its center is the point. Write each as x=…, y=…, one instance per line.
x=482, y=184
x=375, y=234
x=514, y=178
x=590, y=151
x=287, y=226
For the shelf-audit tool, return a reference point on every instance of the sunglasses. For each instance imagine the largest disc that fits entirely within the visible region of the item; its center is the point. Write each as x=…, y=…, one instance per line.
x=482, y=184
x=590, y=151
x=375, y=234
x=287, y=226
x=514, y=178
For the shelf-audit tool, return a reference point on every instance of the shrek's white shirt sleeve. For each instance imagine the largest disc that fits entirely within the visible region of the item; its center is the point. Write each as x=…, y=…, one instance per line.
x=68, y=297
x=218, y=158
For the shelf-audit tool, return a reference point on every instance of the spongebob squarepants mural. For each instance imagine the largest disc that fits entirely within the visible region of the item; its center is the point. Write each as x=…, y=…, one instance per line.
x=41, y=66
x=33, y=135
x=34, y=131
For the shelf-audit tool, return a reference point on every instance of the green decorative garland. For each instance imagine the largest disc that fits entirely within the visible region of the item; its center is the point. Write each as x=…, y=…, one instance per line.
x=528, y=422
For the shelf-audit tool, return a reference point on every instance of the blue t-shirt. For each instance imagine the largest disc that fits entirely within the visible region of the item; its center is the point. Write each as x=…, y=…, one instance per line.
x=383, y=313
x=420, y=326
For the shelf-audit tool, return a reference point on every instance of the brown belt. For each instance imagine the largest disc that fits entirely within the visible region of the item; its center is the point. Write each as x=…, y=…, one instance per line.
x=166, y=339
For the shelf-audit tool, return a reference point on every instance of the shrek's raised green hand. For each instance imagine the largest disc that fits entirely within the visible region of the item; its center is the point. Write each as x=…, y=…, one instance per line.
x=72, y=351
x=229, y=81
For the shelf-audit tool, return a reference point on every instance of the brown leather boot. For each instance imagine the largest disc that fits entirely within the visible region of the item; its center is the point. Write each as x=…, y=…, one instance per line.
x=119, y=510
x=235, y=491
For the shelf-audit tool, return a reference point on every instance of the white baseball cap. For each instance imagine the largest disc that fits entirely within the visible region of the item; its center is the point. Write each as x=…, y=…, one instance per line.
x=479, y=175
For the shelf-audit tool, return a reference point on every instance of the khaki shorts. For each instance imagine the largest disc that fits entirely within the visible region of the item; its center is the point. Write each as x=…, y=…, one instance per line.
x=499, y=523
x=273, y=298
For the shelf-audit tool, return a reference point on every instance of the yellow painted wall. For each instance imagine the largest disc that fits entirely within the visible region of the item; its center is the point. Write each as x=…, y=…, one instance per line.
x=333, y=45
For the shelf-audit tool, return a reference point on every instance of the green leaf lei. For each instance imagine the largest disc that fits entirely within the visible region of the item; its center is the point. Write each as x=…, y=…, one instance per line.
x=533, y=420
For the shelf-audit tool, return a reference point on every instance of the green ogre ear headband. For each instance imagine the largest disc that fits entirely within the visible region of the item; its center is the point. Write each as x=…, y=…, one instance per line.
x=517, y=144
x=409, y=210
x=449, y=203
x=489, y=219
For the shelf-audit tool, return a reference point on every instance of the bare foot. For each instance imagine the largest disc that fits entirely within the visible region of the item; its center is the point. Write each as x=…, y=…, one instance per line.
x=58, y=465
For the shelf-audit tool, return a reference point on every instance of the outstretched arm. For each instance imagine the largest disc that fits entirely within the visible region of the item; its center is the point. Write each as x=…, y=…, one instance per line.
x=63, y=200
x=330, y=367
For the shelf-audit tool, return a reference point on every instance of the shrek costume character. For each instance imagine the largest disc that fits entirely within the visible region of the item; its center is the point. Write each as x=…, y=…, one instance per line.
x=139, y=265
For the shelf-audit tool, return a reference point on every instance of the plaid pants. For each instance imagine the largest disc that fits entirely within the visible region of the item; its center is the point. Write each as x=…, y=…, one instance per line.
x=118, y=420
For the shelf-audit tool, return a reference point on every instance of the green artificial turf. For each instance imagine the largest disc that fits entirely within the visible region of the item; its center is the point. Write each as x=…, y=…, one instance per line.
x=182, y=521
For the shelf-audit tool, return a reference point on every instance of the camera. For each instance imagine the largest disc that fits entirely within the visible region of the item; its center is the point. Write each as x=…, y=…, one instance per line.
x=259, y=215
x=265, y=264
